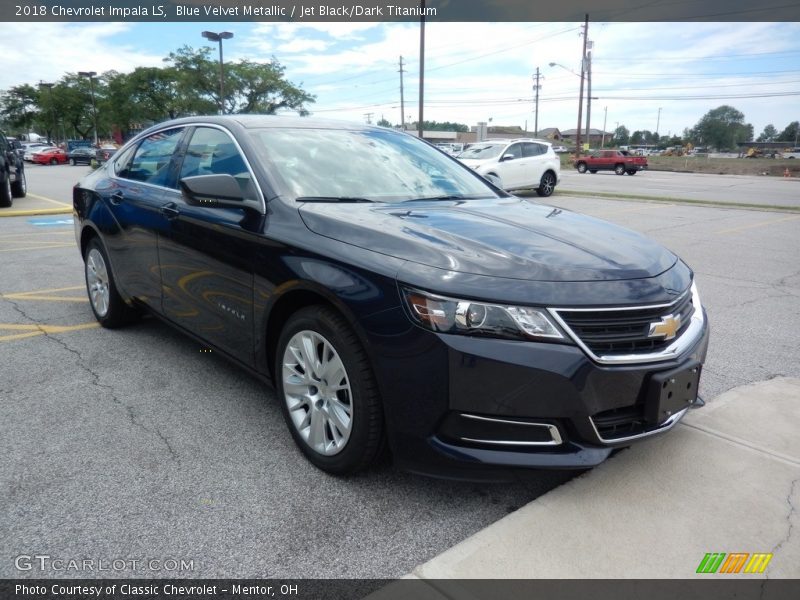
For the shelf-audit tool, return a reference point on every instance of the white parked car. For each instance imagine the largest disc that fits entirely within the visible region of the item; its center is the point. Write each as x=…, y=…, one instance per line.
x=33, y=148
x=516, y=164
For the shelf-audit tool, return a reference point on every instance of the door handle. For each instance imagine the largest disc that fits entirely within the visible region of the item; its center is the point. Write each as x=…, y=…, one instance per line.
x=116, y=198
x=170, y=210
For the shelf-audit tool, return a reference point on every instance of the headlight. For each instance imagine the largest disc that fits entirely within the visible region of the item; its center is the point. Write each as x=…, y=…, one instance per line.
x=466, y=317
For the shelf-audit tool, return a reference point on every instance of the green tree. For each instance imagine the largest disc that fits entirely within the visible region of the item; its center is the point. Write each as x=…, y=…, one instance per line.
x=621, y=136
x=790, y=134
x=769, y=134
x=722, y=128
x=384, y=123
x=443, y=126
x=250, y=87
x=20, y=107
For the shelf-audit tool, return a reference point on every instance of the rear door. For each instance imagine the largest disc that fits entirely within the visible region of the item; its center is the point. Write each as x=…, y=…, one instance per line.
x=536, y=162
x=134, y=195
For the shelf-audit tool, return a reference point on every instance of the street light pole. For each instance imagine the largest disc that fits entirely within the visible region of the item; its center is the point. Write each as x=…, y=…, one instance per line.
x=218, y=37
x=605, y=118
x=90, y=75
x=588, y=59
x=49, y=87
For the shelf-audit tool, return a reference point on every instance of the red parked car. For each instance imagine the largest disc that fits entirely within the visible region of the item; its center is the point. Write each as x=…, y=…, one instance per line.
x=50, y=156
x=611, y=160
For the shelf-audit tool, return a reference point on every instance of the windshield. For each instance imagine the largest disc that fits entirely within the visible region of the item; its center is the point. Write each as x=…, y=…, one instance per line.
x=372, y=164
x=482, y=151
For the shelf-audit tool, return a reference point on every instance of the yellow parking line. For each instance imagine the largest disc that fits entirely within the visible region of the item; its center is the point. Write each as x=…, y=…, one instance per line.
x=34, y=330
x=38, y=247
x=37, y=211
x=759, y=224
x=41, y=295
x=45, y=198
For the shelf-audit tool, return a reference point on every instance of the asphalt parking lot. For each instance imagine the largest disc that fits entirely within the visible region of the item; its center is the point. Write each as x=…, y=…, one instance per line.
x=137, y=444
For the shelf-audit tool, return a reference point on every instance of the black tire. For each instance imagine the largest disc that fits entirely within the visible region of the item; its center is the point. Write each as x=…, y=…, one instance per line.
x=73, y=162
x=6, y=197
x=114, y=313
x=547, y=185
x=53, y=162
x=632, y=171
x=581, y=166
x=619, y=169
x=593, y=171
x=366, y=436
x=19, y=189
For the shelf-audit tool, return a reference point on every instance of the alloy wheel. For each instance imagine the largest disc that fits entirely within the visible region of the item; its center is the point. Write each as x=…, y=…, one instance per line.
x=317, y=392
x=97, y=282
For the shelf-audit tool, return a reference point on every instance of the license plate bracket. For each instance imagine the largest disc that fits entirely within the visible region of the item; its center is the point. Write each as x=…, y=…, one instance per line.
x=669, y=392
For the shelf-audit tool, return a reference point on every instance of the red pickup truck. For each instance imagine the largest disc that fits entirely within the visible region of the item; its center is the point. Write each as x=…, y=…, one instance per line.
x=611, y=160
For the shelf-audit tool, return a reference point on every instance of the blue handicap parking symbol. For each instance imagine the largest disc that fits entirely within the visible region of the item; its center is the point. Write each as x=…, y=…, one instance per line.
x=51, y=221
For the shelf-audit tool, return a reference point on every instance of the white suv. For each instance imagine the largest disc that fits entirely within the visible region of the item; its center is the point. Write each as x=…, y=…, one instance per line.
x=516, y=164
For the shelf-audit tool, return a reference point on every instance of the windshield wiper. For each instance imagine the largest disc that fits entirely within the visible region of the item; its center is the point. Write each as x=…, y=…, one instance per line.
x=332, y=199
x=445, y=197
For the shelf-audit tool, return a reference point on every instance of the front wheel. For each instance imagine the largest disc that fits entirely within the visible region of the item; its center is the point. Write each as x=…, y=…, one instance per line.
x=108, y=306
x=619, y=169
x=593, y=171
x=73, y=162
x=632, y=171
x=328, y=392
x=547, y=185
x=581, y=167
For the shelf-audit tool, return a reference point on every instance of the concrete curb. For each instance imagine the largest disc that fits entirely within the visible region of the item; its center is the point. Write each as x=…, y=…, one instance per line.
x=717, y=483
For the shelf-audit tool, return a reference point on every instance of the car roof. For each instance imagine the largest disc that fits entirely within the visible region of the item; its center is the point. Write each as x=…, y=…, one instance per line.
x=271, y=121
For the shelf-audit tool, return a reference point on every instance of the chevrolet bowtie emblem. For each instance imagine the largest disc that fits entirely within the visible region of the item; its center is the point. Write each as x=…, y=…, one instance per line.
x=666, y=328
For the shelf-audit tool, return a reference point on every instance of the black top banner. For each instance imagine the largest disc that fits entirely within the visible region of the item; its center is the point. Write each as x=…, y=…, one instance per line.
x=399, y=10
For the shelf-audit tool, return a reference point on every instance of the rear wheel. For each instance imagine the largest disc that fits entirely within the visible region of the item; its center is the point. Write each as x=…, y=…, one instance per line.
x=53, y=161
x=327, y=392
x=581, y=167
x=547, y=184
x=20, y=187
x=632, y=171
x=107, y=305
x=619, y=169
x=6, y=198
x=593, y=171
x=73, y=162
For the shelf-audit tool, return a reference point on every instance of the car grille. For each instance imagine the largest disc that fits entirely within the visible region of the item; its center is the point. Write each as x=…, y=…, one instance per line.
x=625, y=331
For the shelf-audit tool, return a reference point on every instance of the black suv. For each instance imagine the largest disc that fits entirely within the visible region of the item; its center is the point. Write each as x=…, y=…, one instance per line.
x=12, y=173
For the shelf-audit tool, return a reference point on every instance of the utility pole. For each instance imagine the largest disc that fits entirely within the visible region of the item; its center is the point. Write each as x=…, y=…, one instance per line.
x=658, y=121
x=421, y=66
x=589, y=47
x=368, y=116
x=90, y=75
x=536, y=88
x=605, y=118
x=402, y=99
x=580, y=94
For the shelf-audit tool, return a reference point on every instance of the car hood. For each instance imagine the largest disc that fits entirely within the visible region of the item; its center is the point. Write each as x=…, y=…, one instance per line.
x=474, y=163
x=509, y=238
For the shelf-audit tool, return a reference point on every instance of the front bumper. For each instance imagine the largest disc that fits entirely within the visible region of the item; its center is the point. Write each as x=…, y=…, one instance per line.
x=560, y=409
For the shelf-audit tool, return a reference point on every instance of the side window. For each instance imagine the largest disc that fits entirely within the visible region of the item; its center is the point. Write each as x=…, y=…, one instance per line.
x=531, y=149
x=152, y=160
x=514, y=150
x=212, y=152
x=123, y=162
x=3, y=144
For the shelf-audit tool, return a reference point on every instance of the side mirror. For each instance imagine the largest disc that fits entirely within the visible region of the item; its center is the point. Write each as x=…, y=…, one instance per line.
x=217, y=191
x=508, y=157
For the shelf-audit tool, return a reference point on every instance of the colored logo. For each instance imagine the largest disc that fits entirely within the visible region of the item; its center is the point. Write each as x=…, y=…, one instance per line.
x=666, y=328
x=735, y=562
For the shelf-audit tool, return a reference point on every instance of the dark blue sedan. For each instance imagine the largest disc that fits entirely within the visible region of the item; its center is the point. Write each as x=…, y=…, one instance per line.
x=396, y=300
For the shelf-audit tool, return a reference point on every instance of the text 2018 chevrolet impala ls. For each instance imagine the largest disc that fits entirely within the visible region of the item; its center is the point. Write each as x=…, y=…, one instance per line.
x=393, y=296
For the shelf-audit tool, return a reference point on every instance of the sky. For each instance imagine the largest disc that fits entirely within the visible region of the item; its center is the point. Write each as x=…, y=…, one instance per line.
x=473, y=71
